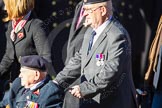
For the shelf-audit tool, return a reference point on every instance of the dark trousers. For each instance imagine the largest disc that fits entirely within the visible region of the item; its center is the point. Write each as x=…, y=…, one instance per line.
x=3, y=84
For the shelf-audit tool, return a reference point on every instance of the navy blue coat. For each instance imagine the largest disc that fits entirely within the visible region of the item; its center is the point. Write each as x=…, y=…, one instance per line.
x=48, y=95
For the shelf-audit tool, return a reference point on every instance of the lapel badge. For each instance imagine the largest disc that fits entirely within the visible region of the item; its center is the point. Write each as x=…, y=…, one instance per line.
x=20, y=35
x=100, y=59
x=36, y=92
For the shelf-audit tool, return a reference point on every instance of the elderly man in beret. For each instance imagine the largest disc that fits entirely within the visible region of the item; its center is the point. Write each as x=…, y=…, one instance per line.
x=105, y=62
x=36, y=91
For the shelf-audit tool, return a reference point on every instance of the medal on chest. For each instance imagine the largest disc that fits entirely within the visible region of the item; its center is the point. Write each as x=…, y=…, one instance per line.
x=100, y=59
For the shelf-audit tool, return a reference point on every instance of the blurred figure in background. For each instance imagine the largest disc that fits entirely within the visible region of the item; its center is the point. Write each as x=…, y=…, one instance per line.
x=153, y=76
x=2, y=41
x=76, y=35
x=57, y=15
x=153, y=11
x=2, y=30
x=77, y=31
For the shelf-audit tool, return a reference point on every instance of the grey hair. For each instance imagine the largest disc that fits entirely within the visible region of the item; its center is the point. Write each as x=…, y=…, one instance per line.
x=108, y=6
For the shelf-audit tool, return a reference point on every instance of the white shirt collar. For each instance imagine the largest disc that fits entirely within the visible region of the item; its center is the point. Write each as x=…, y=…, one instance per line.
x=35, y=85
x=103, y=26
x=100, y=29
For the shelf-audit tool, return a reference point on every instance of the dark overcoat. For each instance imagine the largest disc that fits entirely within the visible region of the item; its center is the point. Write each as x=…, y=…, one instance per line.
x=30, y=40
x=74, y=44
x=76, y=34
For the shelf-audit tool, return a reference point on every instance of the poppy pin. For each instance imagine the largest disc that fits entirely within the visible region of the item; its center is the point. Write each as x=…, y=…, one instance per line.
x=36, y=92
x=20, y=35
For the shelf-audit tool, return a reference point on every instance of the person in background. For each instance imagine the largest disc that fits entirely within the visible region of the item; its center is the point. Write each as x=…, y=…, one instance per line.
x=152, y=10
x=153, y=76
x=77, y=31
x=105, y=62
x=57, y=15
x=2, y=40
x=2, y=30
x=37, y=90
x=25, y=36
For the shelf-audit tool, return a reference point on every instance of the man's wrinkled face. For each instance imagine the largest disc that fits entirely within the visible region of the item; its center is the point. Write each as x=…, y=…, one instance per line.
x=93, y=15
x=27, y=76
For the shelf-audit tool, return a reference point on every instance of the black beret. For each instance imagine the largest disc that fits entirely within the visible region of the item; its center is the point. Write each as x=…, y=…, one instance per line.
x=94, y=1
x=33, y=61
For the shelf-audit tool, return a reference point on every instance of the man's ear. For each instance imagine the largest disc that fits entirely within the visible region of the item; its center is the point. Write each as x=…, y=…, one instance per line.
x=104, y=10
x=37, y=75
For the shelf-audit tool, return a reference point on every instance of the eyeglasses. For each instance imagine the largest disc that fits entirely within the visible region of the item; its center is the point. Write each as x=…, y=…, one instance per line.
x=90, y=10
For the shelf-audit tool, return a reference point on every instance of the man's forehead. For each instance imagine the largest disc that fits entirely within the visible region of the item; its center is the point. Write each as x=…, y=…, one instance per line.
x=23, y=68
x=94, y=1
x=94, y=5
x=89, y=6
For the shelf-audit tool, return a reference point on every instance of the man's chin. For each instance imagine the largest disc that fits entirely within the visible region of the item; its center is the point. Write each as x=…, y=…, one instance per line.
x=22, y=84
x=87, y=24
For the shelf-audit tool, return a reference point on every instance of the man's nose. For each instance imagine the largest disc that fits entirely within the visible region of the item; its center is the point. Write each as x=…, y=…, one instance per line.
x=20, y=75
x=85, y=13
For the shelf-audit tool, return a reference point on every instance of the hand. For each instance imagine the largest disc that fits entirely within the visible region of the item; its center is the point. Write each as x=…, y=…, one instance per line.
x=75, y=91
x=141, y=92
